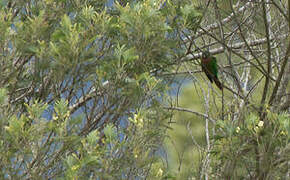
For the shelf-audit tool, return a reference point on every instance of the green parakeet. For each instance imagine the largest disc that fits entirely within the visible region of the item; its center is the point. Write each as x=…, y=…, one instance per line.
x=210, y=68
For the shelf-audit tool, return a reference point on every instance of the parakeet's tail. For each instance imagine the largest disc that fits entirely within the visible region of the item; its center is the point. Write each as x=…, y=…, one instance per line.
x=218, y=83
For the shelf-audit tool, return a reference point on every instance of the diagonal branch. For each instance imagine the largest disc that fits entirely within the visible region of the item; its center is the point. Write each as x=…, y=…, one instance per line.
x=286, y=59
x=223, y=21
x=190, y=111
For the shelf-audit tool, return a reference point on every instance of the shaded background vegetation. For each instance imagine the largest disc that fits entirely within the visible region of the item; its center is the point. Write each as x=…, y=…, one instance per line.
x=114, y=89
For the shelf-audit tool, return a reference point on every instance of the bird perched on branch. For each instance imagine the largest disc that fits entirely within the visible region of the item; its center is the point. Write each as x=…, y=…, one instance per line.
x=210, y=68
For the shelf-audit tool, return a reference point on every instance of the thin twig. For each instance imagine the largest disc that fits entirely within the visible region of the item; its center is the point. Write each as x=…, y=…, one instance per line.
x=191, y=111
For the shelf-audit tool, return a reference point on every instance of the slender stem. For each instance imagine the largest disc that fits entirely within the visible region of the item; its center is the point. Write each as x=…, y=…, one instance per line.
x=267, y=21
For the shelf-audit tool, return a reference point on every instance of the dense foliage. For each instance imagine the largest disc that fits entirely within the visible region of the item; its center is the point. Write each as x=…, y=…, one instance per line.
x=90, y=89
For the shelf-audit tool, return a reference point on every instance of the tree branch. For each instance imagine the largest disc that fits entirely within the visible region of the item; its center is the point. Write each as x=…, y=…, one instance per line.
x=235, y=46
x=267, y=22
x=285, y=61
x=190, y=111
x=223, y=21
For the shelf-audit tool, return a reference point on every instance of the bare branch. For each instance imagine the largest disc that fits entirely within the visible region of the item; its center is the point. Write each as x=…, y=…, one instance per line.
x=236, y=46
x=286, y=59
x=267, y=22
x=223, y=21
x=280, y=10
x=190, y=111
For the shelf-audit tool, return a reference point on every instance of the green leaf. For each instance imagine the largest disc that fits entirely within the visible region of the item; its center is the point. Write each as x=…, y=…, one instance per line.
x=93, y=137
x=130, y=55
x=3, y=96
x=66, y=22
x=61, y=107
x=283, y=119
x=251, y=121
x=110, y=131
x=36, y=109
x=15, y=126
